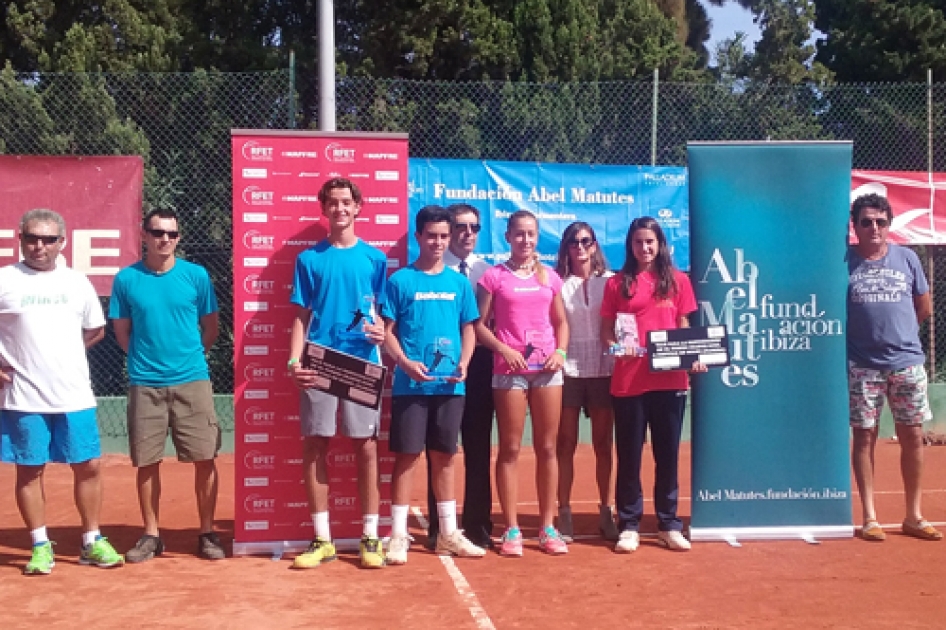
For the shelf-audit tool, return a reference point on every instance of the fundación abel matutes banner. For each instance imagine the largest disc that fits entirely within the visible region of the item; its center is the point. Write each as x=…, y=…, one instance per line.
x=606, y=197
x=770, y=431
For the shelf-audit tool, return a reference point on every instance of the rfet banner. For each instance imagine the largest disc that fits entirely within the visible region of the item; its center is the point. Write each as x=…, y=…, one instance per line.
x=918, y=201
x=99, y=198
x=276, y=215
x=770, y=431
x=606, y=197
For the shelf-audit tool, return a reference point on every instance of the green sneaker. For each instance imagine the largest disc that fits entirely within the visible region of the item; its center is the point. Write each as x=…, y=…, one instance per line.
x=101, y=554
x=42, y=562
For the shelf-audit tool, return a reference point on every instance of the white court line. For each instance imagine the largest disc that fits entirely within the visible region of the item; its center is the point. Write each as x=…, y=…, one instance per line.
x=480, y=618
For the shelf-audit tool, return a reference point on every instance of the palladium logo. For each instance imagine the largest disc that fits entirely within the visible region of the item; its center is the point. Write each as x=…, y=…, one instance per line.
x=665, y=179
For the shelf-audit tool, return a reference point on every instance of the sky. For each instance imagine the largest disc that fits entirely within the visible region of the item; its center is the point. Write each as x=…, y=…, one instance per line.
x=727, y=20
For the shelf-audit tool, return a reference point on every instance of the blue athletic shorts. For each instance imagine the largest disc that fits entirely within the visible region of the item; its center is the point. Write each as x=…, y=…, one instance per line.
x=34, y=439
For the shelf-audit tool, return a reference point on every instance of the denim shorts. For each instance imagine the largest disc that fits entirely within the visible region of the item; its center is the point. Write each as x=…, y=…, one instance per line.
x=528, y=380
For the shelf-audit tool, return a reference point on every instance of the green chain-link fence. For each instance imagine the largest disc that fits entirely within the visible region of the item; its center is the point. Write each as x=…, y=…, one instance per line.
x=180, y=124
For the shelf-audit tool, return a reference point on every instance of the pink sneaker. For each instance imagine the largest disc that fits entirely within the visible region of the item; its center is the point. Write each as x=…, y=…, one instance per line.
x=550, y=541
x=511, y=544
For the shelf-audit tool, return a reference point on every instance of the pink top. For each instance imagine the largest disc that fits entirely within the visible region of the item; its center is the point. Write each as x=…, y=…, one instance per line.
x=521, y=315
x=632, y=376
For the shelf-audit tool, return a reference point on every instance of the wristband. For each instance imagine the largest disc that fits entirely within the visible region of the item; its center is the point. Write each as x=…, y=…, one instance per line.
x=291, y=363
x=561, y=353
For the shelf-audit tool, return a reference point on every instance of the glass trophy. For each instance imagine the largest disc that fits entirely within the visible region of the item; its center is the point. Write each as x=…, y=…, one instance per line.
x=442, y=358
x=365, y=313
x=627, y=336
x=536, y=351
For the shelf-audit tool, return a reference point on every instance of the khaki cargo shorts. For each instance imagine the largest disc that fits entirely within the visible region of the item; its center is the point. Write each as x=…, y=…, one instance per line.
x=186, y=410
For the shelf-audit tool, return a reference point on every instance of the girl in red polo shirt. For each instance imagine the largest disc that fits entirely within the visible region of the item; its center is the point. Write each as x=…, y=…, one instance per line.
x=659, y=297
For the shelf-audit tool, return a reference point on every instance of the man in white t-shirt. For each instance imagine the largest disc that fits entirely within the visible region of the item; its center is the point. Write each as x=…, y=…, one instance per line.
x=49, y=316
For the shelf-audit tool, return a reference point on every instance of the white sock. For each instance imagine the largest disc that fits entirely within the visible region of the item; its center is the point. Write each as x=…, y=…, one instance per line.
x=448, y=516
x=90, y=537
x=371, y=525
x=321, y=524
x=39, y=535
x=399, y=520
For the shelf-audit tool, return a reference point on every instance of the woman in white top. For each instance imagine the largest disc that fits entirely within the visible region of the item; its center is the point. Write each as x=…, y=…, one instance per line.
x=587, y=373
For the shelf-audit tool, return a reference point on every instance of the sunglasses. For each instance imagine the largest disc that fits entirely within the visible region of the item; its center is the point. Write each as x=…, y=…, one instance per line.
x=171, y=234
x=463, y=227
x=881, y=223
x=33, y=239
x=585, y=242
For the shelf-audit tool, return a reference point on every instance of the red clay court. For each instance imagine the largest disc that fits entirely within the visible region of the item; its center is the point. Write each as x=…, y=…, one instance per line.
x=790, y=584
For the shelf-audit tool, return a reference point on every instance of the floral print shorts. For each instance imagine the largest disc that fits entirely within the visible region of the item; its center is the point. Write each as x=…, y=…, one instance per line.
x=905, y=390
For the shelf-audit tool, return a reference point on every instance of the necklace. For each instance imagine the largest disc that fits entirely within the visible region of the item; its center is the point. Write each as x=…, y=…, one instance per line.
x=526, y=266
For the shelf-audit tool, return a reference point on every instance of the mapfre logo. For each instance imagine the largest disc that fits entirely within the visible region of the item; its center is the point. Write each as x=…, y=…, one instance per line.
x=256, y=196
x=335, y=152
x=256, y=417
x=254, y=285
x=258, y=504
x=254, y=239
x=259, y=330
x=257, y=460
x=256, y=373
x=253, y=150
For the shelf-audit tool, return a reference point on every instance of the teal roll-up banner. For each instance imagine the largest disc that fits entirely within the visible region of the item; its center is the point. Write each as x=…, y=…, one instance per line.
x=770, y=431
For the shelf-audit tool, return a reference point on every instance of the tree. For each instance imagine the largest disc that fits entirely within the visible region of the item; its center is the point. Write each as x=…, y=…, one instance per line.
x=698, y=31
x=882, y=40
x=783, y=54
x=78, y=36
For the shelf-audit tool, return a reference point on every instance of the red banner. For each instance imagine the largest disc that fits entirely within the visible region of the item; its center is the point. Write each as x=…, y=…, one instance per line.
x=918, y=200
x=276, y=215
x=99, y=197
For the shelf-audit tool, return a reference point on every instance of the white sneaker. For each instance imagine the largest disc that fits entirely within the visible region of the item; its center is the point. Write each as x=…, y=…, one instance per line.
x=456, y=544
x=397, y=550
x=628, y=542
x=673, y=540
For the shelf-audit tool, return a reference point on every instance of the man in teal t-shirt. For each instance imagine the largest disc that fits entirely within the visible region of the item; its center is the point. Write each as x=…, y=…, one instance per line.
x=165, y=317
x=429, y=317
